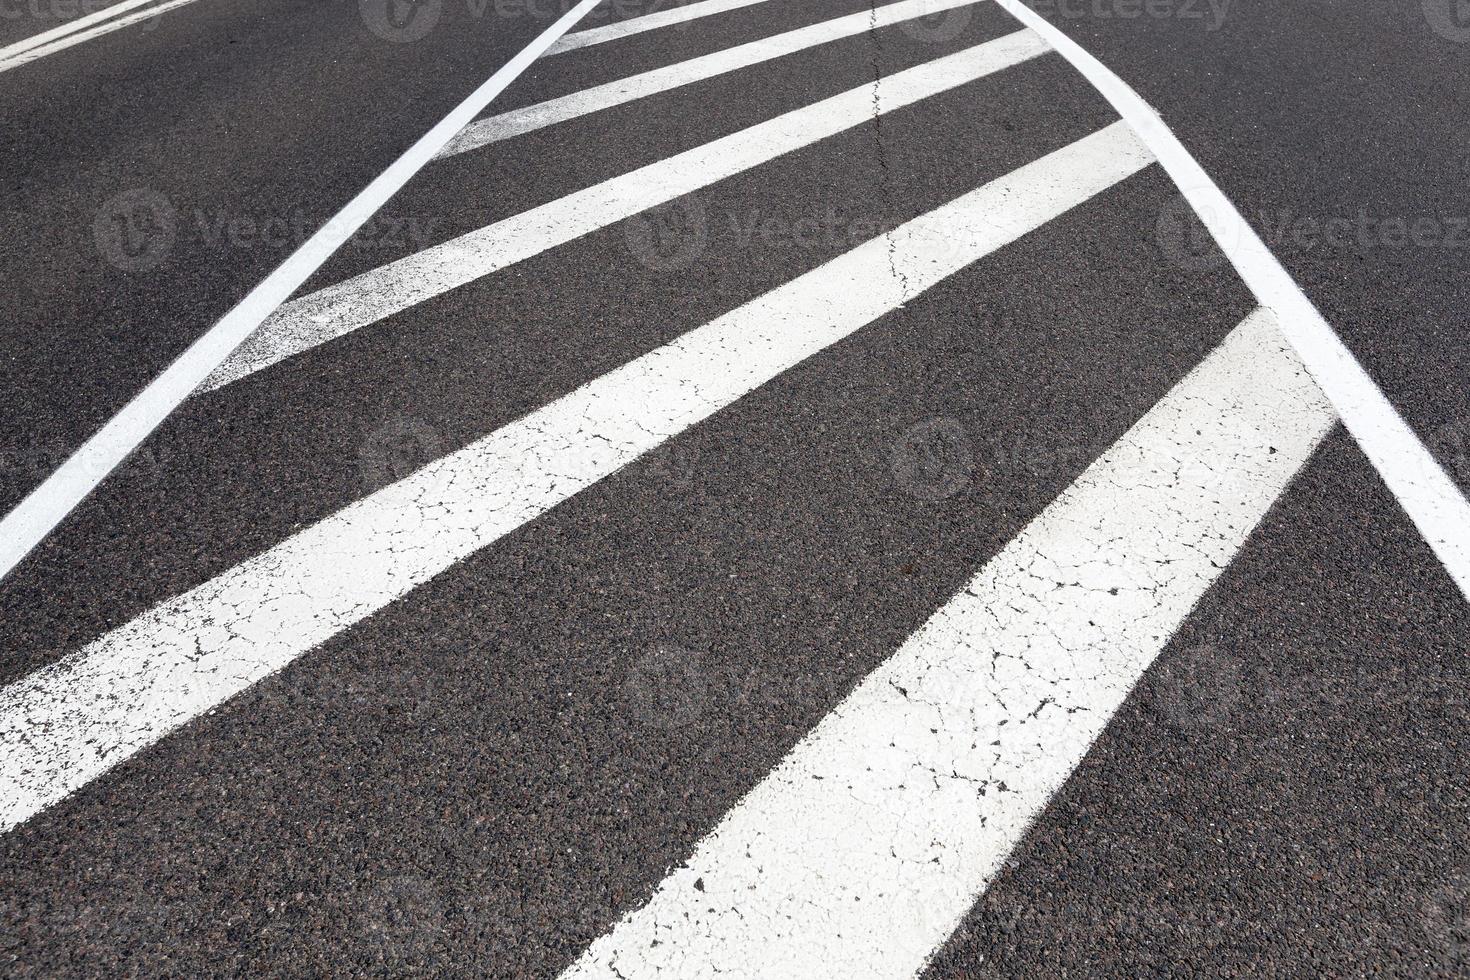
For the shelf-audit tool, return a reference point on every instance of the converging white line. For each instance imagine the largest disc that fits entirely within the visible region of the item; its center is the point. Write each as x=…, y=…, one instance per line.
x=65, y=724
x=634, y=87
x=648, y=22
x=861, y=852
x=339, y=309
x=1431, y=499
x=45, y=507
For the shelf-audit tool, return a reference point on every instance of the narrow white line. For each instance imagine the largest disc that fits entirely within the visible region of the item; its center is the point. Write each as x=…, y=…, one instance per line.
x=366, y=298
x=45, y=507
x=70, y=38
x=634, y=87
x=67, y=723
x=1413, y=475
x=862, y=851
x=648, y=22
x=71, y=27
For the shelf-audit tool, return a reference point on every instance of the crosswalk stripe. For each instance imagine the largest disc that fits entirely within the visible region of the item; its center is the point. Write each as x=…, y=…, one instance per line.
x=648, y=22
x=67, y=723
x=28, y=52
x=862, y=851
x=367, y=298
x=599, y=97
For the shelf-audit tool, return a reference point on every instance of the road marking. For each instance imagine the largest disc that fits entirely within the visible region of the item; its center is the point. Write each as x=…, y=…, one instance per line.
x=46, y=506
x=634, y=87
x=648, y=22
x=369, y=297
x=863, y=850
x=1431, y=499
x=67, y=723
x=73, y=33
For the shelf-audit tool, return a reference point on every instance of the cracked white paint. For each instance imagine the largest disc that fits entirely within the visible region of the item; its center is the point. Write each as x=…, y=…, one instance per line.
x=367, y=298
x=67, y=723
x=861, y=852
x=648, y=22
x=624, y=90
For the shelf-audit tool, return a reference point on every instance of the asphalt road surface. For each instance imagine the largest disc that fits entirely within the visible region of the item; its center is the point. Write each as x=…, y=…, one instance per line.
x=791, y=489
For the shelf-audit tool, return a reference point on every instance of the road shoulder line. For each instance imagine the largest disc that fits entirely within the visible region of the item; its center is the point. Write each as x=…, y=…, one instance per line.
x=1415, y=478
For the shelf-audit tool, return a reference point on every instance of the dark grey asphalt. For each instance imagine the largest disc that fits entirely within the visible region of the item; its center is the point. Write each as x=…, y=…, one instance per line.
x=481, y=778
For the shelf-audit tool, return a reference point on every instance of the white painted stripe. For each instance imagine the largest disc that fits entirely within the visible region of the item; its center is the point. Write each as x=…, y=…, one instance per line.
x=71, y=27
x=364, y=299
x=648, y=22
x=47, y=505
x=65, y=724
x=70, y=34
x=1431, y=499
x=634, y=87
x=862, y=851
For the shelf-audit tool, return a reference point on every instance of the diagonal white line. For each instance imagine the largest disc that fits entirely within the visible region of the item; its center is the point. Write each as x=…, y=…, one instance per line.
x=67, y=723
x=634, y=87
x=861, y=852
x=367, y=298
x=73, y=33
x=648, y=22
x=1431, y=499
x=48, y=504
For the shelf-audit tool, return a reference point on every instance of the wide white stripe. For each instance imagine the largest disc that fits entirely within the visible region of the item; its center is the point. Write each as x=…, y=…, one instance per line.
x=373, y=295
x=65, y=724
x=648, y=22
x=71, y=34
x=860, y=853
x=45, y=507
x=1431, y=499
x=623, y=90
